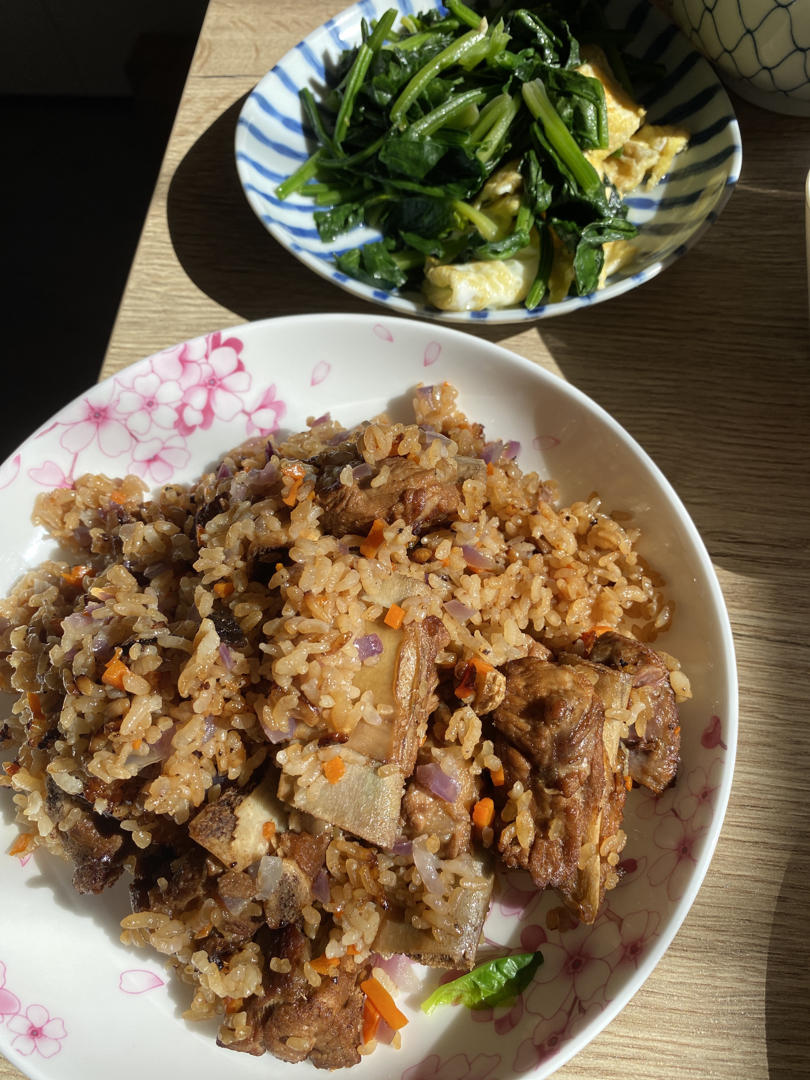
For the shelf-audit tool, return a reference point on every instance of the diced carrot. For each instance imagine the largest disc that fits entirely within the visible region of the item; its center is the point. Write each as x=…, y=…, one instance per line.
x=323, y=964
x=472, y=677
x=352, y=950
x=482, y=669
x=75, y=574
x=588, y=636
x=383, y=1003
x=21, y=844
x=34, y=704
x=136, y=744
x=334, y=768
x=483, y=812
x=465, y=687
x=118, y=496
x=11, y=768
x=371, y=1020
x=115, y=672
x=628, y=782
x=373, y=542
x=269, y=830
x=298, y=473
x=394, y=616
x=233, y=1005
x=223, y=589
x=490, y=468
x=497, y=776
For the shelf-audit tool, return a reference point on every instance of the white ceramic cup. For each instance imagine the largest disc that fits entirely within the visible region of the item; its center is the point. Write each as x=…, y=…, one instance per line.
x=761, y=48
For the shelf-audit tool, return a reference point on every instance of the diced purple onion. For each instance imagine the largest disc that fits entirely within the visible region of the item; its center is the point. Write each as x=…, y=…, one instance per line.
x=400, y=969
x=320, y=887
x=402, y=847
x=435, y=779
x=277, y=735
x=224, y=472
x=338, y=437
x=78, y=623
x=101, y=645
x=428, y=866
x=321, y=420
x=458, y=610
x=491, y=452
x=384, y=1033
x=476, y=559
x=369, y=645
x=432, y=436
x=81, y=534
x=426, y=393
x=155, y=569
x=226, y=656
x=262, y=479
x=511, y=450
x=362, y=472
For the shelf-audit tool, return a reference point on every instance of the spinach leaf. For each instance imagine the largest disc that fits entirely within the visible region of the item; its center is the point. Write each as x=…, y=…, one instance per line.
x=374, y=265
x=420, y=215
x=495, y=982
x=340, y=219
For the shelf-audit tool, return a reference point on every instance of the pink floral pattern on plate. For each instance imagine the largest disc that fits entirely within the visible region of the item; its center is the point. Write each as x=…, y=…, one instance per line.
x=139, y=981
x=143, y=421
x=35, y=1031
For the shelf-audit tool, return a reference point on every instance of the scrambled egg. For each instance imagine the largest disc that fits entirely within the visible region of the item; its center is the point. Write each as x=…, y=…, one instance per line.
x=637, y=153
x=474, y=286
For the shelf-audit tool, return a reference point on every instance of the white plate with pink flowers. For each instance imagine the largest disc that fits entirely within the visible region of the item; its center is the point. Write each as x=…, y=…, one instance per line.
x=74, y=1002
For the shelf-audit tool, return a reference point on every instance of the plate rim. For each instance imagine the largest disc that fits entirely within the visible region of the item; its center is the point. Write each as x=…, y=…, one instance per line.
x=657, y=949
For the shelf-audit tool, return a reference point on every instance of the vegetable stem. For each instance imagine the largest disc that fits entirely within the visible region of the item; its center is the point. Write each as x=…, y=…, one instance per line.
x=497, y=132
x=488, y=228
x=541, y=108
x=358, y=72
x=444, y=113
x=300, y=177
x=540, y=284
x=464, y=13
x=452, y=54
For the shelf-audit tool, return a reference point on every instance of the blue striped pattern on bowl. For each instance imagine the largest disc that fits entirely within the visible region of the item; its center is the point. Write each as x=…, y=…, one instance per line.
x=271, y=143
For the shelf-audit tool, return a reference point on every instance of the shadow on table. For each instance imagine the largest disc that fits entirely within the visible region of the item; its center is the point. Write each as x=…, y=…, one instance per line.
x=224, y=248
x=787, y=988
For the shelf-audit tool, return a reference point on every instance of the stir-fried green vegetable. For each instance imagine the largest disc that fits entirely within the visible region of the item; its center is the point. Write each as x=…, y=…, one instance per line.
x=423, y=113
x=495, y=982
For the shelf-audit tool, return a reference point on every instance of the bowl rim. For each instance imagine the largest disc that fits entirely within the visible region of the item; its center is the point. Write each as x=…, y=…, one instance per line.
x=393, y=299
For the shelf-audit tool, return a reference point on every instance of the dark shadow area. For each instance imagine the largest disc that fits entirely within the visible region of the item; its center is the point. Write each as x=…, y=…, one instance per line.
x=225, y=249
x=787, y=989
x=77, y=187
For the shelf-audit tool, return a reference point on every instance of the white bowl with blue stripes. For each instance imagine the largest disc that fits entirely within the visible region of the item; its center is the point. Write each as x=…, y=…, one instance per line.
x=271, y=142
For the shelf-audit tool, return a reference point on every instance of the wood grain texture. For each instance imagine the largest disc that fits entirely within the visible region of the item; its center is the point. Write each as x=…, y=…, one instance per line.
x=708, y=367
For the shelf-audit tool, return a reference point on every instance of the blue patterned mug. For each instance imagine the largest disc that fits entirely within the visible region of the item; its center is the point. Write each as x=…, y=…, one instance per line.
x=761, y=48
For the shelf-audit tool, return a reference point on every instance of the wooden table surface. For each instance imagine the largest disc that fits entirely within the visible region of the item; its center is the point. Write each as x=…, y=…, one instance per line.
x=708, y=367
